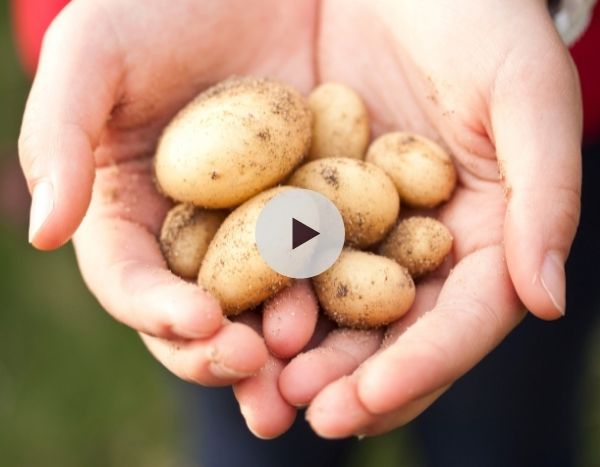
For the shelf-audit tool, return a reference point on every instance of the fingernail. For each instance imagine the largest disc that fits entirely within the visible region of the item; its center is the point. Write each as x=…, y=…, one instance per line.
x=264, y=438
x=245, y=414
x=360, y=436
x=552, y=278
x=224, y=372
x=42, y=204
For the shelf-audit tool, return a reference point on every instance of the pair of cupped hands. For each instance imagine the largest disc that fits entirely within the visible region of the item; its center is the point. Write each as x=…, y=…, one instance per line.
x=490, y=79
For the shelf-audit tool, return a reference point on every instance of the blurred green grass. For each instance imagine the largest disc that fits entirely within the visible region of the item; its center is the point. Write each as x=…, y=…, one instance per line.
x=13, y=86
x=75, y=388
x=78, y=389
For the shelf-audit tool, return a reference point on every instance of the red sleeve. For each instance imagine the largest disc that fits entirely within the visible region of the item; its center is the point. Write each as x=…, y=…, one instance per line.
x=30, y=21
x=586, y=53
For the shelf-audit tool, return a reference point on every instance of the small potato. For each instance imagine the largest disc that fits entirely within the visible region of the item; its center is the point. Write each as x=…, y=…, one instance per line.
x=421, y=170
x=363, y=290
x=363, y=193
x=233, y=141
x=185, y=235
x=233, y=270
x=340, y=122
x=420, y=244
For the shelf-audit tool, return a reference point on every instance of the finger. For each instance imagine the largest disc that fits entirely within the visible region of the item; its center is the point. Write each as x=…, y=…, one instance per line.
x=122, y=265
x=234, y=353
x=476, y=309
x=289, y=319
x=536, y=124
x=344, y=350
x=266, y=413
x=406, y=414
x=337, y=412
x=70, y=101
x=322, y=329
x=332, y=423
x=340, y=353
x=426, y=296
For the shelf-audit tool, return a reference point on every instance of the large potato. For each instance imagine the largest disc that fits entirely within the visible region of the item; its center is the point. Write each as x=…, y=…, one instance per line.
x=185, y=235
x=420, y=244
x=340, y=122
x=421, y=170
x=233, y=141
x=363, y=290
x=363, y=193
x=233, y=270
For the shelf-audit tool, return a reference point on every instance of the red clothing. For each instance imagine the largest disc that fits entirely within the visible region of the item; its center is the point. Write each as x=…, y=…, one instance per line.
x=32, y=17
x=586, y=53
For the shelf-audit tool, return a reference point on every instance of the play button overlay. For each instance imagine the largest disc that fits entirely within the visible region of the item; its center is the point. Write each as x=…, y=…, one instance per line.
x=300, y=233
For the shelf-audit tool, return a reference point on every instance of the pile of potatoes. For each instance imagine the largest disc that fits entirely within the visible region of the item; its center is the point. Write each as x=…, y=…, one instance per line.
x=245, y=140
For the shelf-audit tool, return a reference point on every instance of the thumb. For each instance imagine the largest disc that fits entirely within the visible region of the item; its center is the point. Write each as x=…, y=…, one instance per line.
x=536, y=124
x=69, y=103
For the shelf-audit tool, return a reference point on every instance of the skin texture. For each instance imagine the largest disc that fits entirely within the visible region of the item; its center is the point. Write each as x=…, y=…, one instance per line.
x=513, y=214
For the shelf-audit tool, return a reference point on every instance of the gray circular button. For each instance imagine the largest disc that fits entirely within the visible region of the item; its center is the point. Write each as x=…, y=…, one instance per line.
x=300, y=233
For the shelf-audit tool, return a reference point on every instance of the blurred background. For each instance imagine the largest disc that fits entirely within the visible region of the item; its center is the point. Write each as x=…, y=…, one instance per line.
x=76, y=388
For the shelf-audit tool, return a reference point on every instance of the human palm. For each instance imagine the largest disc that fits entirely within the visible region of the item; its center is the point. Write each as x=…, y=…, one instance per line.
x=106, y=98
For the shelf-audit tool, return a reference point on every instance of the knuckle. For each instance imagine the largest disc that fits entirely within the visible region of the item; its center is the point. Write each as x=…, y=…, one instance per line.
x=197, y=368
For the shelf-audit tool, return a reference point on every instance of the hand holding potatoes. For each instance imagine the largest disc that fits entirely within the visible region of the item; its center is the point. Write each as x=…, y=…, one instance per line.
x=242, y=136
x=95, y=120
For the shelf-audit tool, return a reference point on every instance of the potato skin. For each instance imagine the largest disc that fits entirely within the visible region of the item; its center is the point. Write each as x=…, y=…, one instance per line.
x=185, y=235
x=233, y=270
x=233, y=141
x=420, y=244
x=363, y=193
x=340, y=122
x=421, y=170
x=363, y=290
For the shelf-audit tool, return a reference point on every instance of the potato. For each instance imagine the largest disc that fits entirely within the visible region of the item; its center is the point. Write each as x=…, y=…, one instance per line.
x=185, y=235
x=233, y=141
x=421, y=170
x=340, y=122
x=364, y=290
x=233, y=270
x=420, y=244
x=363, y=193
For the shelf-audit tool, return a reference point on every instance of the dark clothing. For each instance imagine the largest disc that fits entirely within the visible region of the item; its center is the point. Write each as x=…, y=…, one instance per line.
x=218, y=437
x=521, y=405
